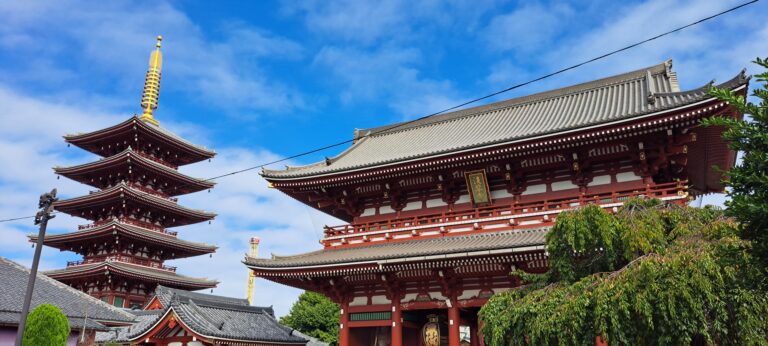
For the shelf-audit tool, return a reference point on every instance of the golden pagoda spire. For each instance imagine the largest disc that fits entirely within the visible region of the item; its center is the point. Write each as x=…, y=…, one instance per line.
x=151, y=94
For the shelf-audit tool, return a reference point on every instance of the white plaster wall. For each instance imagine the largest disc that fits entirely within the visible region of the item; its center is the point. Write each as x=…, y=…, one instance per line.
x=358, y=301
x=412, y=206
x=539, y=188
x=600, y=180
x=469, y=294
x=437, y=202
x=627, y=176
x=463, y=199
x=563, y=185
x=500, y=194
x=385, y=209
x=380, y=300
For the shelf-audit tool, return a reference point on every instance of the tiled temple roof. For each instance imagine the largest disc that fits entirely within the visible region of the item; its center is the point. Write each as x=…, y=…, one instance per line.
x=209, y=316
x=84, y=140
x=129, y=155
x=161, y=276
x=72, y=205
x=434, y=248
x=619, y=98
x=73, y=303
x=126, y=230
x=164, y=294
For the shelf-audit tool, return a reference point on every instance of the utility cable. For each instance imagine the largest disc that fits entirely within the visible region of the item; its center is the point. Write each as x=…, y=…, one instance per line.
x=513, y=87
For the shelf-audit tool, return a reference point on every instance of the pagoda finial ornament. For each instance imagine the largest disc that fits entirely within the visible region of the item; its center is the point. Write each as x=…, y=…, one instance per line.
x=151, y=94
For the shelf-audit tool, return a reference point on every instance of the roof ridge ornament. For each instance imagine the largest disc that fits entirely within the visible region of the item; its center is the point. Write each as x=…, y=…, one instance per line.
x=151, y=93
x=651, y=87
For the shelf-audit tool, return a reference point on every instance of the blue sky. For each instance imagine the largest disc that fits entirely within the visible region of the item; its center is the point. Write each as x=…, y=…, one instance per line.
x=261, y=80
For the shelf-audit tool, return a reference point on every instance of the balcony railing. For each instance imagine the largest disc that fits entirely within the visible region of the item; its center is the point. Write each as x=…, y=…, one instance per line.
x=152, y=192
x=515, y=214
x=152, y=158
x=123, y=259
x=129, y=221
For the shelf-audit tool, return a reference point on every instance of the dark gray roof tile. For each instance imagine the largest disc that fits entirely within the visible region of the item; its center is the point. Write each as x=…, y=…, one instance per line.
x=603, y=101
x=210, y=316
x=73, y=303
x=404, y=249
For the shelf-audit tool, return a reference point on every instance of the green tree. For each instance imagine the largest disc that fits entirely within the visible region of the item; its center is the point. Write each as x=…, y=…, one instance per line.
x=680, y=273
x=46, y=326
x=748, y=181
x=573, y=253
x=315, y=315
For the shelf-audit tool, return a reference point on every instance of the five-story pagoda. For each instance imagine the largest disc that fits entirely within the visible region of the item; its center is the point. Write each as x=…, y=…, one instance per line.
x=127, y=243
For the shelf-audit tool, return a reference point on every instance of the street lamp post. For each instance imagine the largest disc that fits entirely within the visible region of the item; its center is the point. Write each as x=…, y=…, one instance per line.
x=43, y=215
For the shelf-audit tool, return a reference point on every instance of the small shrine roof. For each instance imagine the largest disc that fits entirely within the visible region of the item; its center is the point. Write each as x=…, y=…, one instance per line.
x=120, y=158
x=133, y=270
x=210, y=316
x=73, y=303
x=601, y=102
x=127, y=230
x=444, y=247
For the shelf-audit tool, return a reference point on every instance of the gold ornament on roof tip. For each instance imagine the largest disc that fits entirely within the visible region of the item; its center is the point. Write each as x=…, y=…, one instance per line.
x=151, y=94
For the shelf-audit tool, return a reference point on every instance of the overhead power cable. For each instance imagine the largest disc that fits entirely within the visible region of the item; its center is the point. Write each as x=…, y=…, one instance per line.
x=475, y=100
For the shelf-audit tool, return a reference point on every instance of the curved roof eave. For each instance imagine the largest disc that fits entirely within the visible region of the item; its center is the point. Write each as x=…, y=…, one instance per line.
x=295, y=172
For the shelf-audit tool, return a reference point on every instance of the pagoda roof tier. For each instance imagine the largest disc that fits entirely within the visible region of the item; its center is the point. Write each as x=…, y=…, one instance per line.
x=600, y=103
x=133, y=271
x=448, y=247
x=175, y=247
x=110, y=140
x=128, y=160
x=167, y=212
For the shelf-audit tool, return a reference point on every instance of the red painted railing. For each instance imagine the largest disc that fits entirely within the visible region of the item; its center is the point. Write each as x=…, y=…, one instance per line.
x=509, y=210
x=152, y=192
x=129, y=221
x=152, y=158
x=124, y=259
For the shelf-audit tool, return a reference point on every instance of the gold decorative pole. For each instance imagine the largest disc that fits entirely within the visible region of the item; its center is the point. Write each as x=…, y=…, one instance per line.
x=251, y=276
x=151, y=94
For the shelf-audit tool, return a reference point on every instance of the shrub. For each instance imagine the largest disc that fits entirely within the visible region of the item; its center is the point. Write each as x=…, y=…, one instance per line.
x=46, y=326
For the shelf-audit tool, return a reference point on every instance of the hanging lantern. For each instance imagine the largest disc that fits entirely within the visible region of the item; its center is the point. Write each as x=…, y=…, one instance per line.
x=430, y=333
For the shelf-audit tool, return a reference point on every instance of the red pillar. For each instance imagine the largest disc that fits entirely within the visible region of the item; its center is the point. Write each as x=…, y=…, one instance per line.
x=474, y=338
x=397, y=325
x=454, y=322
x=344, y=325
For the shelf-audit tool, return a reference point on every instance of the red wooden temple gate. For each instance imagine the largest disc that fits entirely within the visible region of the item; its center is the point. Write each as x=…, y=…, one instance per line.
x=441, y=210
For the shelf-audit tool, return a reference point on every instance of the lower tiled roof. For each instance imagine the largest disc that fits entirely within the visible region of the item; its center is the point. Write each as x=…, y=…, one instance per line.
x=126, y=230
x=73, y=303
x=403, y=249
x=210, y=316
x=160, y=276
x=164, y=294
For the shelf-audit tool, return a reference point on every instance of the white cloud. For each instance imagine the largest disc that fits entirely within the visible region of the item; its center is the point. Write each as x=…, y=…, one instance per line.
x=389, y=74
x=367, y=23
x=110, y=38
x=527, y=28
